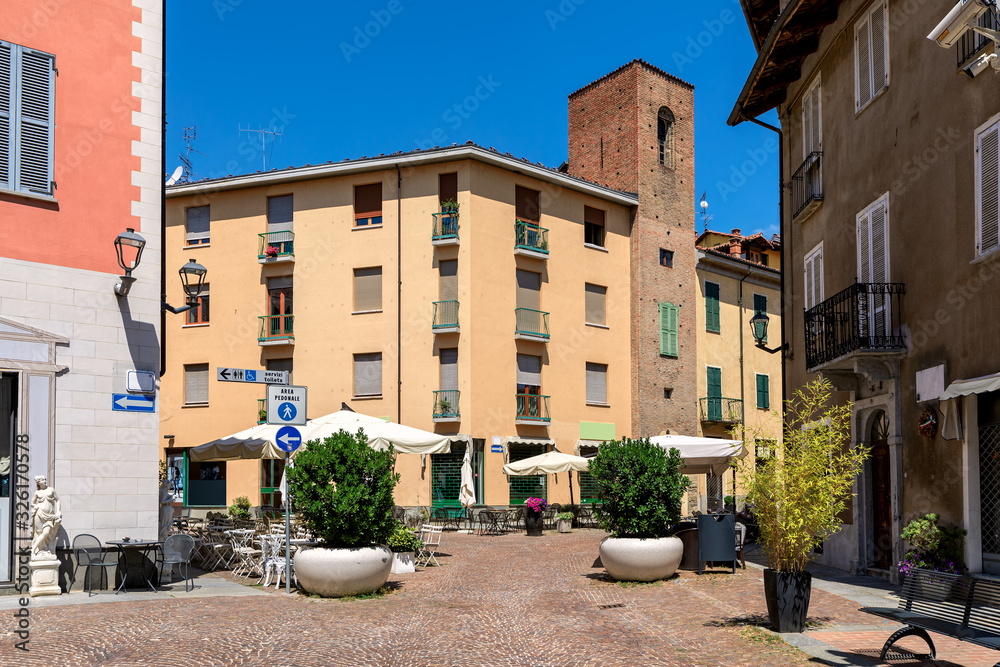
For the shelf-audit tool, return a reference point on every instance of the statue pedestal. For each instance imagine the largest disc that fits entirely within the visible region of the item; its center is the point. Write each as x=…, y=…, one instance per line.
x=44, y=578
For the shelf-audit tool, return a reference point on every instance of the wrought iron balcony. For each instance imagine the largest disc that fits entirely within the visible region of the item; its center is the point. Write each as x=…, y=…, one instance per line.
x=276, y=330
x=446, y=406
x=718, y=410
x=531, y=240
x=445, y=230
x=261, y=410
x=532, y=409
x=864, y=318
x=807, y=186
x=531, y=324
x=445, y=317
x=276, y=247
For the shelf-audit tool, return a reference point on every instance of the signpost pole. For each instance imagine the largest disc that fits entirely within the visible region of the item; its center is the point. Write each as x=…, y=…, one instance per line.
x=288, y=534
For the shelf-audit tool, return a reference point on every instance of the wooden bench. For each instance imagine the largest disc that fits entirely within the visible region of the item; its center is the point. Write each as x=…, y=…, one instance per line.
x=949, y=604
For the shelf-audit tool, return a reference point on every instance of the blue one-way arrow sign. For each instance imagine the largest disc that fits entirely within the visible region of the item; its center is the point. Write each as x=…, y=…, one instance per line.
x=133, y=403
x=288, y=438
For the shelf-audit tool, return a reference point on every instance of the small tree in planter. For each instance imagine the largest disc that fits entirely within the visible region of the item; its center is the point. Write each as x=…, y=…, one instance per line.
x=404, y=544
x=798, y=493
x=240, y=509
x=641, y=490
x=932, y=547
x=342, y=489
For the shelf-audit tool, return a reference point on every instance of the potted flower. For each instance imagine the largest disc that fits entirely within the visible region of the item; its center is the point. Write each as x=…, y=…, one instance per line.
x=564, y=522
x=533, y=516
x=798, y=494
x=932, y=547
x=641, y=490
x=240, y=509
x=404, y=545
x=272, y=251
x=342, y=490
x=449, y=206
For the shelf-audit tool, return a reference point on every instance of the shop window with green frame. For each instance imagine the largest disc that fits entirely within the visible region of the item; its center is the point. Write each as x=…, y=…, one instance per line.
x=206, y=484
x=446, y=478
x=271, y=471
x=523, y=487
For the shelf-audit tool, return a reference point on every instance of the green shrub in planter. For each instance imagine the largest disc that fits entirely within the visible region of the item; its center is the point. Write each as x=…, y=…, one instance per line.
x=240, y=509
x=565, y=516
x=641, y=488
x=403, y=540
x=342, y=489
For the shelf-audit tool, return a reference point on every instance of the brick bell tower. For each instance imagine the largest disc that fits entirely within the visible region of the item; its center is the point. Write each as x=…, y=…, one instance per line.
x=633, y=130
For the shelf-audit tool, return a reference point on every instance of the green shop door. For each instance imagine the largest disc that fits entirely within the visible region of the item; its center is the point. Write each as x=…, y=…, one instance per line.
x=271, y=471
x=446, y=478
x=527, y=486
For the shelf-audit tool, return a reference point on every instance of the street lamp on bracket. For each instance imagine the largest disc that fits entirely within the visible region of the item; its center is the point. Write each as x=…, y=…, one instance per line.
x=758, y=327
x=193, y=280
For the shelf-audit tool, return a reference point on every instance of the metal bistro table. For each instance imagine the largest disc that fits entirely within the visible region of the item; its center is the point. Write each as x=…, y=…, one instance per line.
x=134, y=557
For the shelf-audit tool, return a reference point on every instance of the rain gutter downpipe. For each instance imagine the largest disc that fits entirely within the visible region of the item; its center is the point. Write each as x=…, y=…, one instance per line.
x=399, y=296
x=163, y=194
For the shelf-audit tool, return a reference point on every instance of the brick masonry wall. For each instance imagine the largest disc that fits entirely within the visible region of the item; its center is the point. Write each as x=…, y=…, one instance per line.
x=613, y=141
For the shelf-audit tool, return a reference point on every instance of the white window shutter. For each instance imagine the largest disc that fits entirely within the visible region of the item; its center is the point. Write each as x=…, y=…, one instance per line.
x=864, y=247
x=880, y=48
x=6, y=113
x=807, y=279
x=807, y=119
x=35, y=121
x=880, y=260
x=988, y=190
x=862, y=51
x=817, y=278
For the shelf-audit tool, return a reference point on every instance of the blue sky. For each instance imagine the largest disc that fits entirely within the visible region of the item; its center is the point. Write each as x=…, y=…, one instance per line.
x=346, y=80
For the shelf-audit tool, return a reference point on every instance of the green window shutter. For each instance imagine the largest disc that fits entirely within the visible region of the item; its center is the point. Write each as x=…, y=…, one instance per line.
x=34, y=120
x=763, y=392
x=714, y=382
x=668, y=329
x=712, y=307
x=759, y=307
x=6, y=113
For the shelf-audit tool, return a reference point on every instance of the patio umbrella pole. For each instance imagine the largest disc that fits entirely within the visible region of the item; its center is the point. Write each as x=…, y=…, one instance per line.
x=288, y=538
x=570, y=473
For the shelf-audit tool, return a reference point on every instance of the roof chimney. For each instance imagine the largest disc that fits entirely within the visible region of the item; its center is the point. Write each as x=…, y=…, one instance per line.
x=736, y=232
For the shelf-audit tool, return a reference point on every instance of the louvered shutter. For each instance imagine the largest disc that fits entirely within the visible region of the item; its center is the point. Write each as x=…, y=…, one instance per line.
x=448, y=280
x=6, y=113
x=34, y=121
x=880, y=48
x=712, y=307
x=817, y=277
x=368, y=374
x=988, y=190
x=863, y=66
x=807, y=282
x=529, y=370
x=597, y=383
x=368, y=289
x=864, y=247
x=714, y=382
x=763, y=392
x=811, y=133
x=196, y=383
x=529, y=285
x=449, y=368
x=595, y=304
x=668, y=329
x=279, y=213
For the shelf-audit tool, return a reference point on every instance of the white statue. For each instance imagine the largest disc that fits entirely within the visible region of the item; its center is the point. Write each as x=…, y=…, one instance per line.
x=166, y=509
x=45, y=520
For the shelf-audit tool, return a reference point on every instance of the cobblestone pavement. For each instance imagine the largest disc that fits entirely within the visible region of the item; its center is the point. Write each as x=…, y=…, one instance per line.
x=509, y=600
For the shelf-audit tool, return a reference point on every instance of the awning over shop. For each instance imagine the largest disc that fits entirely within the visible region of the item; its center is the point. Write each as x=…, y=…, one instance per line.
x=594, y=444
x=702, y=455
x=979, y=385
x=256, y=443
x=518, y=440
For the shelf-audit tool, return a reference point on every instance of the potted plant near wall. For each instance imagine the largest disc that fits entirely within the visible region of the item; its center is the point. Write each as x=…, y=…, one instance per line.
x=240, y=509
x=533, y=508
x=798, y=494
x=932, y=547
x=404, y=544
x=449, y=206
x=342, y=490
x=641, y=490
x=564, y=522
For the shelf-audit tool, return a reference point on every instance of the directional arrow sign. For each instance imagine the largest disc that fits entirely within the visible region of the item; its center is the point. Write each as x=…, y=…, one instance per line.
x=288, y=438
x=286, y=405
x=133, y=403
x=251, y=375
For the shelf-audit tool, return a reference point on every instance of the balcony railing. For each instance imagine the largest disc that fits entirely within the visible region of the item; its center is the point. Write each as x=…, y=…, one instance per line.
x=718, y=410
x=865, y=317
x=261, y=410
x=445, y=227
x=445, y=316
x=532, y=408
x=807, y=185
x=275, y=245
x=971, y=42
x=274, y=328
x=531, y=238
x=531, y=324
x=446, y=405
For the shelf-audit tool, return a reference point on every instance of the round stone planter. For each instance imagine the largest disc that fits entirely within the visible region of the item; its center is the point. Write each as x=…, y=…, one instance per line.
x=337, y=572
x=634, y=559
x=403, y=562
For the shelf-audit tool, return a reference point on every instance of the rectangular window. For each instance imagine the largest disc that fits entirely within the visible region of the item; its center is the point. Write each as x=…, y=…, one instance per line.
x=813, y=277
x=368, y=205
x=713, y=403
x=526, y=204
x=279, y=213
x=873, y=246
x=198, y=222
x=448, y=280
x=449, y=368
x=279, y=295
x=368, y=374
x=596, y=304
x=199, y=314
x=597, y=383
x=987, y=188
x=529, y=285
x=280, y=365
x=871, y=54
x=27, y=119
x=712, y=322
x=368, y=289
x=760, y=307
x=529, y=374
x=763, y=392
x=812, y=128
x=668, y=329
x=666, y=258
x=271, y=471
x=448, y=187
x=593, y=226
x=195, y=384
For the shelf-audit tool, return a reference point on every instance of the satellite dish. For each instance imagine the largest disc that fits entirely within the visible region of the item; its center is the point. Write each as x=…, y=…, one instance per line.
x=178, y=172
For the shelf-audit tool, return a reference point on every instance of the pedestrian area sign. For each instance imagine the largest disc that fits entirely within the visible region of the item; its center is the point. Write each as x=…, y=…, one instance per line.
x=286, y=405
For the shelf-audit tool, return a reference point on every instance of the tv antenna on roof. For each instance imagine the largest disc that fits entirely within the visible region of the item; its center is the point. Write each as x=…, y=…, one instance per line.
x=263, y=140
x=705, y=217
x=190, y=134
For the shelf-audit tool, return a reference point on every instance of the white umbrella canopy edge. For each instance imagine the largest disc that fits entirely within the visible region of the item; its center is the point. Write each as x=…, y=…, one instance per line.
x=702, y=455
x=547, y=464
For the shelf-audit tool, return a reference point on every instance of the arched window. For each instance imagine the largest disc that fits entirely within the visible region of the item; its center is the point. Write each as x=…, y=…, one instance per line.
x=665, y=136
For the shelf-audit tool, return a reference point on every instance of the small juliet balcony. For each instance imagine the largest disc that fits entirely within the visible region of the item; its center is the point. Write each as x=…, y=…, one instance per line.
x=718, y=410
x=445, y=227
x=531, y=325
x=446, y=406
x=532, y=409
x=531, y=240
x=445, y=317
x=856, y=328
x=276, y=247
x=807, y=187
x=261, y=410
x=276, y=330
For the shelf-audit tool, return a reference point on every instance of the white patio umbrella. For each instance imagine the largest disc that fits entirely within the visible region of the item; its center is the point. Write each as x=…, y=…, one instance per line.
x=380, y=433
x=467, y=493
x=702, y=455
x=549, y=463
x=253, y=443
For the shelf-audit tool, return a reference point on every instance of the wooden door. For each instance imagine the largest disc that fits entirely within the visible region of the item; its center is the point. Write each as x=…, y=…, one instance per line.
x=881, y=494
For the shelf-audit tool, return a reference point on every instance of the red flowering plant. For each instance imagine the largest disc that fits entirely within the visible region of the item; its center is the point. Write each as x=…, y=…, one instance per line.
x=536, y=505
x=272, y=251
